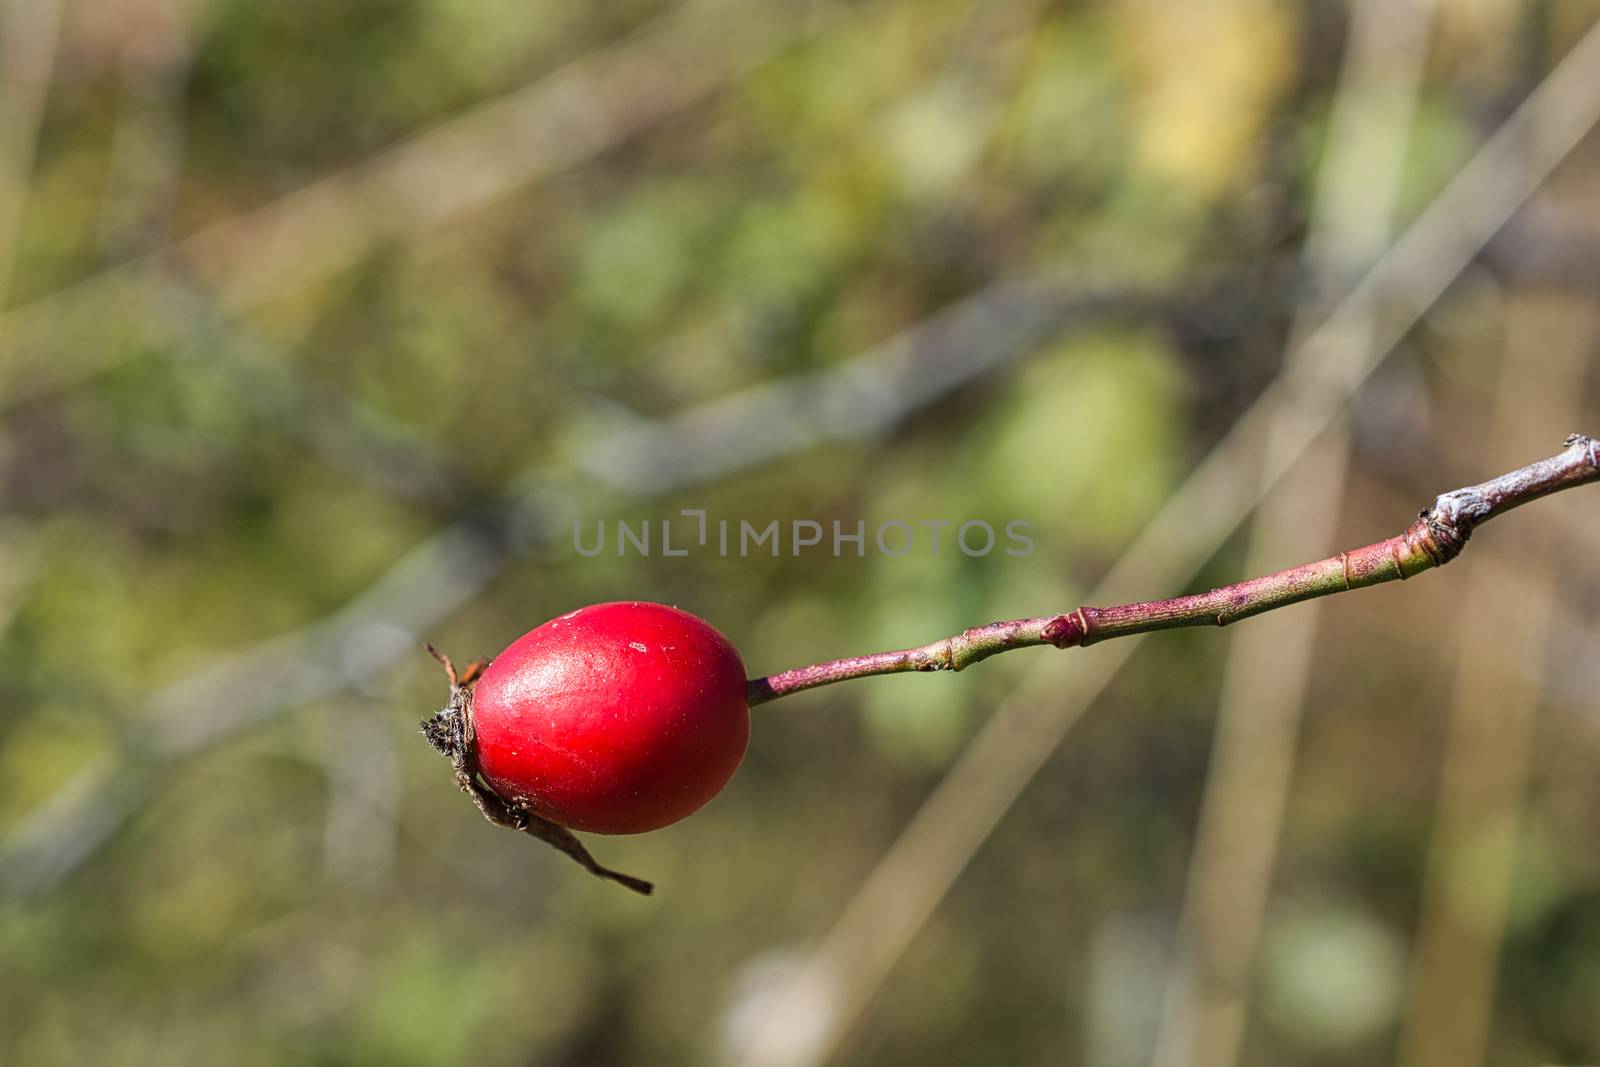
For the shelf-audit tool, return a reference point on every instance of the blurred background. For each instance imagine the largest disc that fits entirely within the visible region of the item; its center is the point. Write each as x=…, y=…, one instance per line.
x=325, y=323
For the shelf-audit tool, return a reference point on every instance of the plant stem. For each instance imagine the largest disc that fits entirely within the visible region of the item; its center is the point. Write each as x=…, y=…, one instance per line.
x=1434, y=539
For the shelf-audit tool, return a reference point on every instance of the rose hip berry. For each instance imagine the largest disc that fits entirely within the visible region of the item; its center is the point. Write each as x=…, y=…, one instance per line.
x=616, y=719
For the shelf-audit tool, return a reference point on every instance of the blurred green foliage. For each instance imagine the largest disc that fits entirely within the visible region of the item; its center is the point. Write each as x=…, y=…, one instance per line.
x=312, y=890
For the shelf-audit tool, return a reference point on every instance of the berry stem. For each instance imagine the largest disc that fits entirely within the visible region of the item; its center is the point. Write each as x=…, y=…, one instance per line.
x=1434, y=539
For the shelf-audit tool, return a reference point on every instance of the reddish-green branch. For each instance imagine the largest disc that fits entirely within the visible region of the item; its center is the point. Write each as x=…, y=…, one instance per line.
x=1434, y=539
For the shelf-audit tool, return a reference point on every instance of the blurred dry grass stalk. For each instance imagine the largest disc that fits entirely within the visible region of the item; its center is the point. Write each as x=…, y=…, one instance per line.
x=1267, y=672
x=1549, y=337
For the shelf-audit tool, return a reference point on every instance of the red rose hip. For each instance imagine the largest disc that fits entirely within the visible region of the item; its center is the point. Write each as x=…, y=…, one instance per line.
x=616, y=718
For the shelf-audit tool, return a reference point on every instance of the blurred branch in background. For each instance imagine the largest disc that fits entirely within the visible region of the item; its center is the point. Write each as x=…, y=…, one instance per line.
x=347, y=435
x=865, y=395
x=465, y=162
x=1488, y=749
x=363, y=794
x=1265, y=678
x=806, y=1021
x=141, y=192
